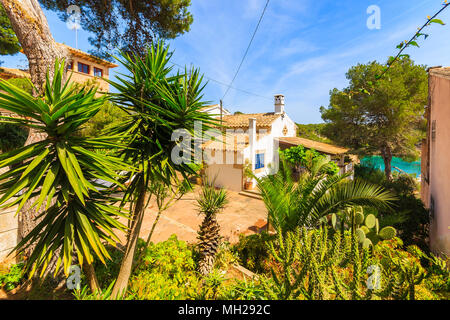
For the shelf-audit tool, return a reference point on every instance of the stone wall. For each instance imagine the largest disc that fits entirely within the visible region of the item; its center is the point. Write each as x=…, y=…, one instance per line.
x=9, y=233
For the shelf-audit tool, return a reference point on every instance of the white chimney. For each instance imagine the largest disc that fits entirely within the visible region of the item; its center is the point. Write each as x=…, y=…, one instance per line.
x=252, y=140
x=279, y=104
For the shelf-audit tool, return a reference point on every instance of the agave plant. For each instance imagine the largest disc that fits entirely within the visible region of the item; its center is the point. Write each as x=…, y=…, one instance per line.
x=158, y=102
x=62, y=174
x=315, y=195
x=211, y=201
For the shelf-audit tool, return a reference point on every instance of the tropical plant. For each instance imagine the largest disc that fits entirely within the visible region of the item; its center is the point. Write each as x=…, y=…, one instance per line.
x=211, y=201
x=315, y=195
x=157, y=103
x=62, y=173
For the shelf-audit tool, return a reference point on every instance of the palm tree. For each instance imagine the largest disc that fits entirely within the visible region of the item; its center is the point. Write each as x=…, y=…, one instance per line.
x=60, y=173
x=315, y=195
x=211, y=201
x=157, y=102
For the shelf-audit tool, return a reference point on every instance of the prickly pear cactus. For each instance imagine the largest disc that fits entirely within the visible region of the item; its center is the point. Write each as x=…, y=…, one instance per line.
x=387, y=233
x=370, y=221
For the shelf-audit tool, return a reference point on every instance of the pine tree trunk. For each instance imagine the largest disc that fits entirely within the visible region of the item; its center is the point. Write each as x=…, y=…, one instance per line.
x=386, y=153
x=32, y=30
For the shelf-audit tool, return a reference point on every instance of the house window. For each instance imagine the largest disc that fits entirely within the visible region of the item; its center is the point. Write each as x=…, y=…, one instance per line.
x=98, y=72
x=259, y=163
x=84, y=68
x=70, y=66
x=433, y=130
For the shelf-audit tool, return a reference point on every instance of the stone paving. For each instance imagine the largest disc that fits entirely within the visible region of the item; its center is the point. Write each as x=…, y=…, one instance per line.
x=182, y=219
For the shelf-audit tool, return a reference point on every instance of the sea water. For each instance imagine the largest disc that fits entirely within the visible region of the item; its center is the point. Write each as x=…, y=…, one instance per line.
x=378, y=163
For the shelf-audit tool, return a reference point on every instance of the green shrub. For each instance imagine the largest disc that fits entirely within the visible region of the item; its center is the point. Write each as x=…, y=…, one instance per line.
x=108, y=116
x=12, y=136
x=409, y=216
x=300, y=156
x=168, y=272
x=12, y=278
x=253, y=252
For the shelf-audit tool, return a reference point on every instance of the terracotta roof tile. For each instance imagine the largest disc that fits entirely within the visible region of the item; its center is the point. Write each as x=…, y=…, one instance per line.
x=241, y=120
x=440, y=71
x=310, y=144
x=13, y=73
x=90, y=57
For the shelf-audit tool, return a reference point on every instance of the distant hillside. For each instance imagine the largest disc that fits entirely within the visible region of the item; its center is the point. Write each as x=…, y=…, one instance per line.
x=312, y=132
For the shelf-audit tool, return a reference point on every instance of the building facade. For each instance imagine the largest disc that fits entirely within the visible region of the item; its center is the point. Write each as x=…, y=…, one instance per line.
x=435, y=179
x=83, y=67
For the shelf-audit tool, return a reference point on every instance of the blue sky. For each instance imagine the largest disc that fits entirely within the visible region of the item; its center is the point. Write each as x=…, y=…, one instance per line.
x=303, y=47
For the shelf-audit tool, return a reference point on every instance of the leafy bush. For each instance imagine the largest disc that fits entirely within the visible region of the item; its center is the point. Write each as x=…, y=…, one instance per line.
x=301, y=157
x=13, y=277
x=253, y=252
x=108, y=116
x=169, y=272
x=12, y=136
x=409, y=215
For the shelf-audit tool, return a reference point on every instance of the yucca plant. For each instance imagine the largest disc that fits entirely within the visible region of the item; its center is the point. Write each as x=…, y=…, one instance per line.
x=211, y=202
x=62, y=174
x=158, y=102
x=315, y=195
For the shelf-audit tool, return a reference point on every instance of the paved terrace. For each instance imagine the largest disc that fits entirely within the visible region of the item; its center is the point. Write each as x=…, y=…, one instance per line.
x=182, y=218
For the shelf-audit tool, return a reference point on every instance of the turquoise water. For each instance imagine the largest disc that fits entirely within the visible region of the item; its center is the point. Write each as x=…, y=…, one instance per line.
x=378, y=163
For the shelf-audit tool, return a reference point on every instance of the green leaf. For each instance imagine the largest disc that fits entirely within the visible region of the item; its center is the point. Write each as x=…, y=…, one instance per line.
x=438, y=21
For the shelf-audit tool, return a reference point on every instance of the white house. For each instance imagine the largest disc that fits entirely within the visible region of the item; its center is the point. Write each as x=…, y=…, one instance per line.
x=250, y=139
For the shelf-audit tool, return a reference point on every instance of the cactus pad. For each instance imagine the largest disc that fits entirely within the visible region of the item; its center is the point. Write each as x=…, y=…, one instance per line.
x=360, y=235
x=365, y=229
x=370, y=221
x=387, y=233
x=367, y=243
x=359, y=217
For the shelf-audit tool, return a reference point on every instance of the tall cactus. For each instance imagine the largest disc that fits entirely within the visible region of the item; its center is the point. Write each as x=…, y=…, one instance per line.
x=309, y=259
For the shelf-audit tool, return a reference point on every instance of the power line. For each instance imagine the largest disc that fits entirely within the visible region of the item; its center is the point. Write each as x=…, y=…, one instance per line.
x=248, y=48
x=227, y=85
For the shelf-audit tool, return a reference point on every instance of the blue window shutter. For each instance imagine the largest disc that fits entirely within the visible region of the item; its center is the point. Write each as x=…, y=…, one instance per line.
x=259, y=163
